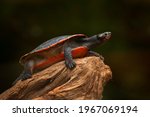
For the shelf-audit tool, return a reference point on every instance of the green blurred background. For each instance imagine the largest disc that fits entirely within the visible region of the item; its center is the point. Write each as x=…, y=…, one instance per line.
x=24, y=24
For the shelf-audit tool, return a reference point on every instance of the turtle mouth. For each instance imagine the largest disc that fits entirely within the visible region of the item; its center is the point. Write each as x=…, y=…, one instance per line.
x=107, y=35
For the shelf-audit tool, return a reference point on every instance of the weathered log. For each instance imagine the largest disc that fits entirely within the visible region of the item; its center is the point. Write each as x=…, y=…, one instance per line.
x=86, y=81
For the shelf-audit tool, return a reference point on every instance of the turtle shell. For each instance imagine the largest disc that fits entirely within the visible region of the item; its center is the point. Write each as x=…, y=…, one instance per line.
x=49, y=45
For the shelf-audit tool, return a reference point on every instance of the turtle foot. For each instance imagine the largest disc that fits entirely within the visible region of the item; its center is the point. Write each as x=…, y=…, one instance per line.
x=23, y=76
x=70, y=64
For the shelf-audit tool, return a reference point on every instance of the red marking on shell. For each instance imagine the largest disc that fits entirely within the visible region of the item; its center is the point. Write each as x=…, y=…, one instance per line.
x=76, y=53
x=79, y=52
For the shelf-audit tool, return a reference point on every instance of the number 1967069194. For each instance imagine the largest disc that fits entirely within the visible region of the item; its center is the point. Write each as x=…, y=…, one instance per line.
x=108, y=109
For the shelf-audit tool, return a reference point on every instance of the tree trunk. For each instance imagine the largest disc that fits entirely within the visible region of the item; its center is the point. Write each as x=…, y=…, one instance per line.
x=84, y=82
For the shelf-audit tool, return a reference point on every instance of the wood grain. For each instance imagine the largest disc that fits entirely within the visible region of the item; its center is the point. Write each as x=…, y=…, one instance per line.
x=85, y=82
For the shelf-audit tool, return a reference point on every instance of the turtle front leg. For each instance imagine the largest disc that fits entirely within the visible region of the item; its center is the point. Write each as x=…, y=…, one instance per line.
x=68, y=58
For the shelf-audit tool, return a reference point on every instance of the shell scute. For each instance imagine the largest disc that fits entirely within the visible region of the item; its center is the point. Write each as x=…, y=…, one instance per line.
x=48, y=45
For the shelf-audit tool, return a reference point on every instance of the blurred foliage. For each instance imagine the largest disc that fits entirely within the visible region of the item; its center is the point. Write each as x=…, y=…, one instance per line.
x=24, y=24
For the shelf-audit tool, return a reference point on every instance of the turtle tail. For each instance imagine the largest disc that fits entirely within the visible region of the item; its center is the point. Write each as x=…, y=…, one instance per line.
x=23, y=76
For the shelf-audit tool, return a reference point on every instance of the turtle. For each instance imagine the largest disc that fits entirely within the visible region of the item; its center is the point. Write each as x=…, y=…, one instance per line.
x=66, y=47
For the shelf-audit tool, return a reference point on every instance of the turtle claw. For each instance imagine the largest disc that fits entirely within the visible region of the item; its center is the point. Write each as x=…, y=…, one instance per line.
x=26, y=76
x=70, y=65
x=23, y=76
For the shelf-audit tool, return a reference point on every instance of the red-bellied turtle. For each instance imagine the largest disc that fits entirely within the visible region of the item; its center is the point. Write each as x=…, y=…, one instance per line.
x=57, y=49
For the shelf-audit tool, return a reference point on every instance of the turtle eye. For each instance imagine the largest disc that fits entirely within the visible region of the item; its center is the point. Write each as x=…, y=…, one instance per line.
x=105, y=34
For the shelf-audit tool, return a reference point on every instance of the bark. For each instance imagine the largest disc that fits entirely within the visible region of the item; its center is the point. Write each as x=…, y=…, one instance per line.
x=84, y=82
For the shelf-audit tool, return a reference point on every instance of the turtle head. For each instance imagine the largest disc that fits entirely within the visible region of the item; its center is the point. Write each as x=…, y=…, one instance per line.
x=104, y=36
x=96, y=39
